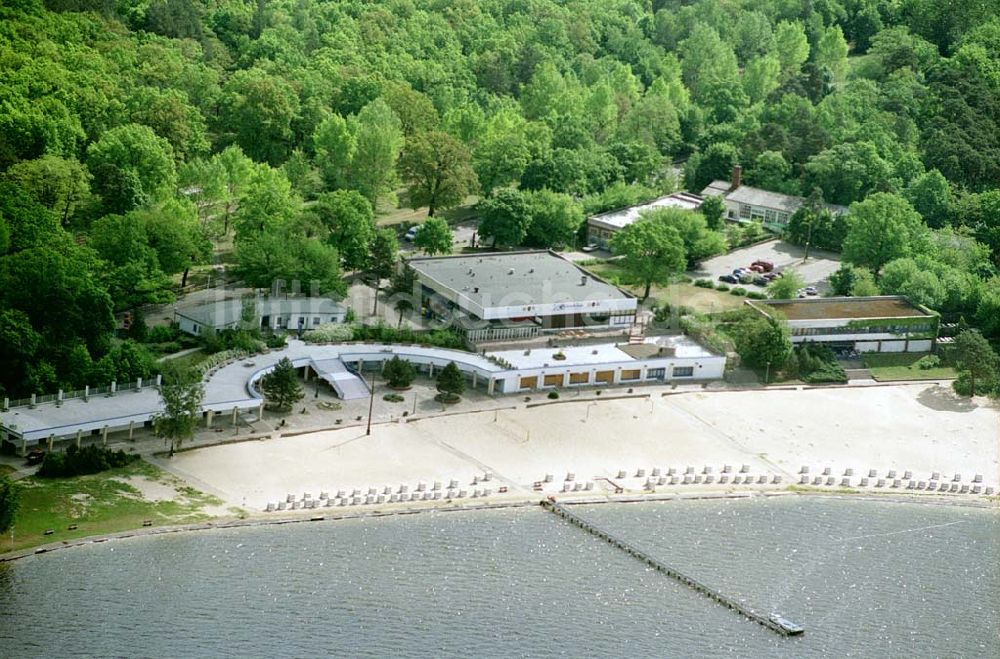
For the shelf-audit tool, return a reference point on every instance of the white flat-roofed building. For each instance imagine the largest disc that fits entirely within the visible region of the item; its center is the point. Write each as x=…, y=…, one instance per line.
x=601, y=228
x=518, y=294
x=231, y=387
x=658, y=359
x=276, y=314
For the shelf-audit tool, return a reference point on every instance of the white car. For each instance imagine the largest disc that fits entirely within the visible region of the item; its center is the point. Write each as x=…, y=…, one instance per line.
x=411, y=233
x=810, y=290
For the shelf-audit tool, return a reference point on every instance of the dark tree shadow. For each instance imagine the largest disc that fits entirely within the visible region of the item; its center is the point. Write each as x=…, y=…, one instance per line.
x=944, y=399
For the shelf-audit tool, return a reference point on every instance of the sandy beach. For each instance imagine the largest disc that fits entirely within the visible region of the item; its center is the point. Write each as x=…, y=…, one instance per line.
x=922, y=428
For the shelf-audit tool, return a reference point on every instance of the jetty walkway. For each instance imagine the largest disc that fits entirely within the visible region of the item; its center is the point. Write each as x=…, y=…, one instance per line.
x=552, y=506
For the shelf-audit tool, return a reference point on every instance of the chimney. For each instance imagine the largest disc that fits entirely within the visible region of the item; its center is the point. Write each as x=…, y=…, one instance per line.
x=737, y=177
x=583, y=280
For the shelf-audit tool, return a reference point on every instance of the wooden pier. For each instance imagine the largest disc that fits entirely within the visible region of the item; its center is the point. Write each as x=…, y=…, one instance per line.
x=658, y=565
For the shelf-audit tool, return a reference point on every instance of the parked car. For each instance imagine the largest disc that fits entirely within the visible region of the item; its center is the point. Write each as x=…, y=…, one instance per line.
x=769, y=277
x=766, y=266
x=729, y=279
x=35, y=456
x=747, y=278
x=810, y=290
x=411, y=233
x=801, y=293
x=760, y=280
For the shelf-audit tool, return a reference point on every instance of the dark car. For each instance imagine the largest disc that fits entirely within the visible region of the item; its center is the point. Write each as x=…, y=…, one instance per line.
x=760, y=281
x=729, y=279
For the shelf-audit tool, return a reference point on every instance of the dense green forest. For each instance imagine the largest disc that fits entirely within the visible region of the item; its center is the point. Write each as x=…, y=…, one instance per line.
x=134, y=135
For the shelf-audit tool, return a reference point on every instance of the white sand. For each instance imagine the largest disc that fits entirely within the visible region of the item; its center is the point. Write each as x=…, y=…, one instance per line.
x=922, y=428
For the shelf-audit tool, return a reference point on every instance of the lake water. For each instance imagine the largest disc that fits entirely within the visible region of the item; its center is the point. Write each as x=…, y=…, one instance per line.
x=866, y=578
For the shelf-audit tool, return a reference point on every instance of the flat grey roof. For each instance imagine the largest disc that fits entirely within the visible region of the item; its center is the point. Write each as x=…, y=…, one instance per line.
x=625, y=216
x=847, y=308
x=525, y=277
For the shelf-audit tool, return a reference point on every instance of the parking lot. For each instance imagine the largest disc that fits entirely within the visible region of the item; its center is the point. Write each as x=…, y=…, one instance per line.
x=816, y=271
x=461, y=237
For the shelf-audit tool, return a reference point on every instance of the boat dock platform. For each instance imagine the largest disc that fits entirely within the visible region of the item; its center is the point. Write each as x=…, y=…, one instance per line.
x=771, y=622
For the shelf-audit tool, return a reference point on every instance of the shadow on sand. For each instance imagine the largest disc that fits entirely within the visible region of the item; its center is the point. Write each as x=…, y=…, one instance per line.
x=944, y=399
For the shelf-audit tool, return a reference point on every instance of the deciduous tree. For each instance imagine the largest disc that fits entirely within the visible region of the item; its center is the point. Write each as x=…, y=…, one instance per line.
x=181, y=393
x=434, y=237
x=438, y=169
x=652, y=251
x=975, y=358
x=881, y=228
x=505, y=217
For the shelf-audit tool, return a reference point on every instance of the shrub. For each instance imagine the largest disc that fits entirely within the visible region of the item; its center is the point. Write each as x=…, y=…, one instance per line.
x=754, y=295
x=329, y=333
x=393, y=398
x=162, y=334
x=399, y=373
x=553, y=395
x=928, y=362
x=738, y=291
x=721, y=287
x=276, y=341
x=817, y=364
x=86, y=460
x=704, y=283
x=450, y=383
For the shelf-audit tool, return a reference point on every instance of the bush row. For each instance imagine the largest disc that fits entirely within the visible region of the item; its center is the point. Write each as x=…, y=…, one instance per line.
x=86, y=460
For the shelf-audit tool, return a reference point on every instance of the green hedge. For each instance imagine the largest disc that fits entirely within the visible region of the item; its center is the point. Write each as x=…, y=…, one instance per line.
x=87, y=460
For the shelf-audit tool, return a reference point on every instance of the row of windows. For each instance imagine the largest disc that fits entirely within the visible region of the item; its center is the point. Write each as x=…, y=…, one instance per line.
x=748, y=212
x=885, y=329
x=607, y=377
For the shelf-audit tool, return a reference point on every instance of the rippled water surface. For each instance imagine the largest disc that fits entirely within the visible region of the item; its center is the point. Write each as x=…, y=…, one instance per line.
x=865, y=578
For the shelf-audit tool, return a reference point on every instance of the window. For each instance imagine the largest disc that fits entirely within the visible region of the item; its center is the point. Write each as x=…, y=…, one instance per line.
x=770, y=216
x=683, y=371
x=782, y=218
x=554, y=380
x=316, y=321
x=656, y=373
x=197, y=329
x=632, y=374
x=745, y=211
x=579, y=378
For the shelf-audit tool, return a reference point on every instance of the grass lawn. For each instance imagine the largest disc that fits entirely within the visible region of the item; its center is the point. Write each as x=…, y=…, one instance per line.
x=187, y=361
x=701, y=300
x=102, y=503
x=902, y=366
x=391, y=216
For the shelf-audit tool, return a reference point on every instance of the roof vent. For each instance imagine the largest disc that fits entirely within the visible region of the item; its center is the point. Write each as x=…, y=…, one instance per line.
x=475, y=290
x=511, y=271
x=583, y=280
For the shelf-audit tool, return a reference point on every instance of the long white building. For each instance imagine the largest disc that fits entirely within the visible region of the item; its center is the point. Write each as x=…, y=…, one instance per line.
x=231, y=389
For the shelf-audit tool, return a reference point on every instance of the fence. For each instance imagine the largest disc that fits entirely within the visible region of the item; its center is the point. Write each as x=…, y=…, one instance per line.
x=87, y=392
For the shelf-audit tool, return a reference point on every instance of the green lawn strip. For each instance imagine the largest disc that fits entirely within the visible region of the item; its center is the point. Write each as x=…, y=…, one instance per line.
x=193, y=359
x=7, y=469
x=903, y=366
x=99, y=504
